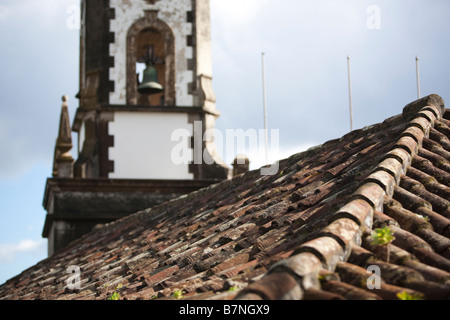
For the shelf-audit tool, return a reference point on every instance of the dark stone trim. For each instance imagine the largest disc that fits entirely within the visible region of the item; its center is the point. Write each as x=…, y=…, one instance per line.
x=122, y=185
x=192, y=87
x=190, y=16
x=195, y=169
x=96, y=45
x=203, y=170
x=138, y=108
x=111, y=62
x=110, y=85
x=111, y=37
x=112, y=13
x=192, y=42
x=191, y=64
x=105, y=141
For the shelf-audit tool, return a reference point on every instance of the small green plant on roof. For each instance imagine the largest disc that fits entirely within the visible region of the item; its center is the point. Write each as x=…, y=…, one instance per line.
x=406, y=296
x=114, y=296
x=383, y=237
x=233, y=288
x=178, y=294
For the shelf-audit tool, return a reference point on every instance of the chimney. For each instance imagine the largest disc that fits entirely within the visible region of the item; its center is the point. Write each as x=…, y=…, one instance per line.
x=241, y=164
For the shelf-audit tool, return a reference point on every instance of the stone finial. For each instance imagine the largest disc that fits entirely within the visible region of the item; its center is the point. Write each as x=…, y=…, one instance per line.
x=63, y=160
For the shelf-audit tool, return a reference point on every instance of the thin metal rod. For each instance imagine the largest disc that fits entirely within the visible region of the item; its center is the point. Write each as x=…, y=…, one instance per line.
x=418, y=78
x=350, y=94
x=265, y=107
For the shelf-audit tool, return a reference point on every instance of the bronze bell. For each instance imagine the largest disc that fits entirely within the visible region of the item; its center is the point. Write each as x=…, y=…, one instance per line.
x=150, y=84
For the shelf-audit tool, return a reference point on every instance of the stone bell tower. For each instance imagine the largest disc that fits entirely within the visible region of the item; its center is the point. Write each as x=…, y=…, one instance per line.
x=145, y=73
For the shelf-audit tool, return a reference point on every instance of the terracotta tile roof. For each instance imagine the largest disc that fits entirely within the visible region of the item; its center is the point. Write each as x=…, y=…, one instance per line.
x=305, y=233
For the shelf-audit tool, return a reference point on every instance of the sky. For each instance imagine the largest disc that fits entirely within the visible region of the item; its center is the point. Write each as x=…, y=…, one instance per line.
x=305, y=44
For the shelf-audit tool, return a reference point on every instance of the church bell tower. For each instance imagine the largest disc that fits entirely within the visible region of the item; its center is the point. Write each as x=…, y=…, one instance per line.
x=145, y=73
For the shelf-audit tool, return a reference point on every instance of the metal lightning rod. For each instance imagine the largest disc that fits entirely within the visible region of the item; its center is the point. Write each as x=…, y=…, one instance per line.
x=350, y=94
x=418, y=78
x=265, y=106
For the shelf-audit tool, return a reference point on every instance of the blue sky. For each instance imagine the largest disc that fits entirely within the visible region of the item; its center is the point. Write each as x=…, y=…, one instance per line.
x=306, y=43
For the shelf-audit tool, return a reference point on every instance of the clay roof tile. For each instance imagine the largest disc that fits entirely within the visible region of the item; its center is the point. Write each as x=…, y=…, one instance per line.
x=304, y=233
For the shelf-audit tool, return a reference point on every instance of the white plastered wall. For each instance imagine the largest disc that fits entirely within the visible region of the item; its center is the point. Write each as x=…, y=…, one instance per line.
x=172, y=12
x=143, y=147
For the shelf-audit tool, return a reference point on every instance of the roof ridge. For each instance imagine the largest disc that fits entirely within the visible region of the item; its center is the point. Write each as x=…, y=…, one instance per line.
x=433, y=99
x=334, y=243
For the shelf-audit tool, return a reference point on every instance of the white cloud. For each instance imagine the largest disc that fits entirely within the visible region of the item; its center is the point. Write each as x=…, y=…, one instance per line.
x=4, y=11
x=43, y=10
x=236, y=12
x=9, y=252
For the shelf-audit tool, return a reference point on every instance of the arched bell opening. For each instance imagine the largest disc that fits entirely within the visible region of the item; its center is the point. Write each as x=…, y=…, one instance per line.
x=150, y=64
x=150, y=56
